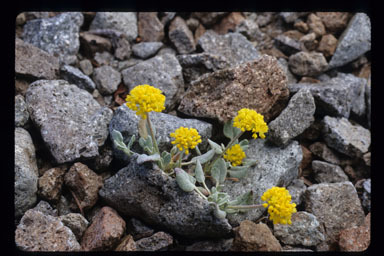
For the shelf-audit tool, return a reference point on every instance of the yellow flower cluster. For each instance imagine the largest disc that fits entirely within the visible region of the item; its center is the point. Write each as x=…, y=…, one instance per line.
x=186, y=138
x=235, y=155
x=280, y=206
x=250, y=120
x=144, y=99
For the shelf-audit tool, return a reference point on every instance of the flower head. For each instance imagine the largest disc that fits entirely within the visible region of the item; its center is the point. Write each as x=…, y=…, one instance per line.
x=280, y=206
x=235, y=155
x=144, y=99
x=250, y=120
x=186, y=138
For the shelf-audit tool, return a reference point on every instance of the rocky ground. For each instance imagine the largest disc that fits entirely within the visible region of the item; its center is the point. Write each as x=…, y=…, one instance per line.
x=308, y=73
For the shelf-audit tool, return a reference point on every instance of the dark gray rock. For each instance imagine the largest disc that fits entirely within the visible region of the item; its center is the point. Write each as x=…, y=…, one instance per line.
x=34, y=62
x=250, y=29
x=125, y=22
x=305, y=230
x=163, y=72
x=368, y=101
x=21, y=113
x=125, y=121
x=145, y=50
x=307, y=63
x=294, y=119
x=233, y=47
x=336, y=96
x=138, y=229
x=107, y=79
x=26, y=173
x=40, y=232
x=181, y=36
x=321, y=150
x=284, y=163
x=366, y=197
x=328, y=173
x=59, y=35
x=297, y=189
x=208, y=18
x=354, y=42
x=287, y=44
x=144, y=192
x=66, y=117
x=290, y=17
x=337, y=206
x=158, y=242
x=75, y=76
x=343, y=136
x=76, y=222
x=222, y=245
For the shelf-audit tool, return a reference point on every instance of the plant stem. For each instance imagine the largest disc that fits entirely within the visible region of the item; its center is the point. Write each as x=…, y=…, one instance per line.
x=180, y=159
x=198, y=150
x=252, y=206
x=201, y=194
x=152, y=134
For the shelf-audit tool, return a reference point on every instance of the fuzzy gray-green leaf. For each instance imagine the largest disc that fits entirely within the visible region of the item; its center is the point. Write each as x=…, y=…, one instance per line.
x=166, y=158
x=244, y=199
x=146, y=158
x=199, y=173
x=133, y=138
x=219, y=170
x=116, y=136
x=219, y=213
x=183, y=180
x=215, y=146
x=204, y=157
x=238, y=171
x=228, y=131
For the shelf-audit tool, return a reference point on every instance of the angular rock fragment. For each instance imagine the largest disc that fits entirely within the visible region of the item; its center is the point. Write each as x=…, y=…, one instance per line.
x=76, y=222
x=356, y=239
x=181, y=36
x=150, y=29
x=107, y=79
x=321, y=150
x=221, y=245
x=145, y=50
x=21, y=113
x=258, y=85
x=138, y=229
x=328, y=173
x=50, y=184
x=75, y=76
x=160, y=241
x=208, y=18
x=307, y=63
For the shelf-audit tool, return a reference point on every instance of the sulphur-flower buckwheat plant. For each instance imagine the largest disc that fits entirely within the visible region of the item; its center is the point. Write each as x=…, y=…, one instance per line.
x=219, y=163
x=235, y=155
x=279, y=205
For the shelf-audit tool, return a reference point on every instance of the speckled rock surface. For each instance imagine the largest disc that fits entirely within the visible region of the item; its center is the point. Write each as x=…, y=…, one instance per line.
x=50, y=184
x=356, y=239
x=71, y=122
x=76, y=222
x=58, y=35
x=34, y=62
x=157, y=242
x=305, y=230
x=106, y=79
x=40, y=232
x=26, y=173
x=307, y=63
x=221, y=245
x=150, y=29
x=144, y=50
x=21, y=113
x=259, y=85
x=294, y=119
x=276, y=167
x=143, y=192
x=347, y=138
x=328, y=173
x=181, y=36
x=75, y=76
x=337, y=206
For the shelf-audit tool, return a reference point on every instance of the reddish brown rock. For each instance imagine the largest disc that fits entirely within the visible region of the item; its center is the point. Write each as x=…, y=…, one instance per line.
x=260, y=85
x=84, y=183
x=181, y=36
x=327, y=45
x=307, y=157
x=105, y=231
x=228, y=23
x=315, y=25
x=356, y=239
x=50, y=184
x=200, y=30
x=208, y=18
x=309, y=41
x=91, y=44
x=334, y=21
x=308, y=79
x=301, y=26
x=250, y=237
x=127, y=244
x=33, y=62
x=321, y=150
x=150, y=28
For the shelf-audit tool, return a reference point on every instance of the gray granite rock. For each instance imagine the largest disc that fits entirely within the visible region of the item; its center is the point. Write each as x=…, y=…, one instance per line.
x=337, y=206
x=59, y=35
x=287, y=44
x=160, y=241
x=354, y=42
x=21, y=113
x=345, y=137
x=145, y=50
x=104, y=58
x=297, y=189
x=76, y=222
x=144, y=192
x=233, y=47
x=33, y=62
x=40, y=232
x=107, y=79
x=305, y=230
x=163, y=72
x=86, y=67
x=66, y=117
x=290, y=17
x=181, y=36
x=328, y=173
x=250, y=29
x=366, y=197
x=307, y=63
x=336, y=96
x=258, y=85
x=138, y=229
x=125, y=22
x=75, y=76
x=45, y=208
x=125, y=121
x=291, y=77
x=275, y=167
x=26, y=173
x=294, y=119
